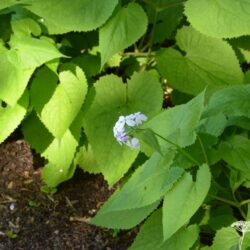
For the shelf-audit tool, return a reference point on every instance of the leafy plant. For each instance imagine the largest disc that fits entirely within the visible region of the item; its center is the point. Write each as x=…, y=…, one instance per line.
x=70, y=71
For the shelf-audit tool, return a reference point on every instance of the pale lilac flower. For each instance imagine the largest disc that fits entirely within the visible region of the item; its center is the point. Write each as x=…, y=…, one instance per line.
x=128, y=121
x=133, y=143
x=139, y=117
x=119, y=126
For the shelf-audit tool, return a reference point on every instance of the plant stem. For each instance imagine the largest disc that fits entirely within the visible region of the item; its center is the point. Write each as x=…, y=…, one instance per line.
x=203, y=149
x=231, y=203
x=151, y=41
x=187, y=155
x=245, y=202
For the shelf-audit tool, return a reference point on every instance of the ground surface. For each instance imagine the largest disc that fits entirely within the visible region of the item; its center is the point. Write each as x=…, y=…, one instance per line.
x=30, y=219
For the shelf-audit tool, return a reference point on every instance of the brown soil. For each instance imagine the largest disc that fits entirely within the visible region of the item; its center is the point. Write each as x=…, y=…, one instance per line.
x=31, y=219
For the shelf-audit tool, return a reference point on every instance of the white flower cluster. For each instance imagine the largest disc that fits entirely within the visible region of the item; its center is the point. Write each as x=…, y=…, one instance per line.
x=132, y=120
x=242, y=226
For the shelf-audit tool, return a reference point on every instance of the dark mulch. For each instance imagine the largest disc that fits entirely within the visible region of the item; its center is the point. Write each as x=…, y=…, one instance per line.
x=30, y=219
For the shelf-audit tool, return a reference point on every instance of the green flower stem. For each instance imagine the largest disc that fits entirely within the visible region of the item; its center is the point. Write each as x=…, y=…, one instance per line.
x=203, y=150
x=183, y=152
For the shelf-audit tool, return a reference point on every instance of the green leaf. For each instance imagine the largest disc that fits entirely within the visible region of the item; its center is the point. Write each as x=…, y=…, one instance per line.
x=178, y=124
x=86, y=160
x=7, y=3
x=28, y=52
x=225, y=239
x=151, y=236
x=183, y=200
x=13, y=79
x=33, y=130
x=11, y=116
x=79, y=15
x=247, y=77
x=168, y=15
x=122, y=30
x=232, y=101
x=59, y=152
x=53, y=175
x=58, y=111
x=218, y=18
x=221, y=216
x=25, y=27
x=235, y=152
x=148, y=184
x=127, y=218
x=246, y=241
x=150, y=139
x=208, y=63
x=213, y=125
x=109, y=99
x=202, y=151
x=90, y=64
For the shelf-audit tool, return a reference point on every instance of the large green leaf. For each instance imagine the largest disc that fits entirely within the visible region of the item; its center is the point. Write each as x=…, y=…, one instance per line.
x=151, y=236
x=178, y=124
x=66, y=16
x=122, y=30
x=148, y=184
x=235, y=152
x=232, y=101
x=11, y=116
x=183, y=200
x=222, y=19
x=208, y=63
x=109, y=99
x=13, y=79
x=58, y=107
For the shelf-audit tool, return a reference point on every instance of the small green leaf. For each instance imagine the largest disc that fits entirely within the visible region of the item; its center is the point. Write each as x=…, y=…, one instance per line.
x=208, y=63
x=151, y=236
x=25, y=27
x=53, y=175
x=11, y=116
x=178, y=124
x=59, y=152
x=235, y=152
x=87, y=161
x=231, y=101
x=168, y=15
x=183, y=200
x=218, y=18
x=122, y=30
x=150, y=139
x=225, y=239
x=28, y=52
x=13, y=78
